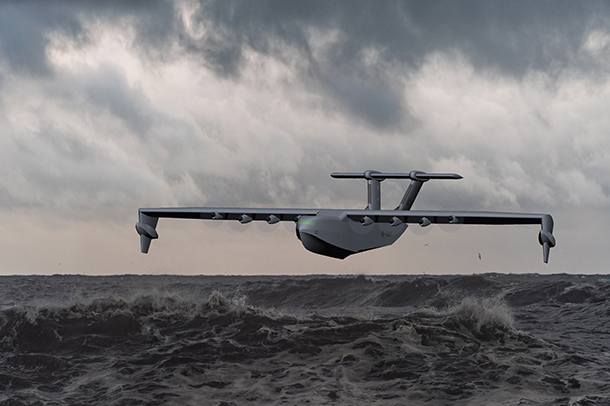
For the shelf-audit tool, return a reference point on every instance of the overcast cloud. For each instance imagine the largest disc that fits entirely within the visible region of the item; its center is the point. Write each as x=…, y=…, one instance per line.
x=110, y=106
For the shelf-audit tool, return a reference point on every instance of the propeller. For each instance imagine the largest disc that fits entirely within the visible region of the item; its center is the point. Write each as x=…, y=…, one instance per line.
x=422, y=229
x=453, y=226
x=270, y=224
x=242, y=224
x=362, y=227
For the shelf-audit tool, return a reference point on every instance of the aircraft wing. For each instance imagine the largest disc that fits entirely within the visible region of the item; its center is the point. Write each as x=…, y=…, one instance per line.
x=149, y=217
x=448, y=217
x=224, y=213
x=424, y=218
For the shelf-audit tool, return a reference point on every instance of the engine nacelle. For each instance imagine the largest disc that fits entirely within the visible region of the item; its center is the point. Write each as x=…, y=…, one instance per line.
x=366, y=221
x=424, y=222
x=395, y=221
x=272, y=219
x=245, y=219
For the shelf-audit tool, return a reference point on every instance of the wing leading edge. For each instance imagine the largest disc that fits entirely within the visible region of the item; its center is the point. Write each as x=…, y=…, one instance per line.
x=224, y=213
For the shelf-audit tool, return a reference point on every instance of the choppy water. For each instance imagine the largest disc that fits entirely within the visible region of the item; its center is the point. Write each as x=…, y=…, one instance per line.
x=382, y=340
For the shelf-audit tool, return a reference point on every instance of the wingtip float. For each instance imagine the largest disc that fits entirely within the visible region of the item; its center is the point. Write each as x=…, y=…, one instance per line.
x=339, y=233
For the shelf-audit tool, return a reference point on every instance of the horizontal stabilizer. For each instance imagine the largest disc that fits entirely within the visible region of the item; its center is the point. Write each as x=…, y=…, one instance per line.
x=413, y=175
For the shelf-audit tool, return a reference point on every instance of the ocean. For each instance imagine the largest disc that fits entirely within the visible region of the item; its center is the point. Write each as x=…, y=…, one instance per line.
x=490, y=339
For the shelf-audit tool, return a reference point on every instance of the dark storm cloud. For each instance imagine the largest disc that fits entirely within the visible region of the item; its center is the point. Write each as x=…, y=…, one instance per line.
x=508, y=37
x=23, y=33
x=512, y=36
x=278, y=29
x=25, y=27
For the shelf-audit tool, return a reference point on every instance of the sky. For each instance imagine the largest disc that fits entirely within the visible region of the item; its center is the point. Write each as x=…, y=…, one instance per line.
x=106, y=107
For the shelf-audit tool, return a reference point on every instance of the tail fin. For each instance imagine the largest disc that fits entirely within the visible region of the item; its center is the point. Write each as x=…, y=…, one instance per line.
x=417, y=181
x=146, y=228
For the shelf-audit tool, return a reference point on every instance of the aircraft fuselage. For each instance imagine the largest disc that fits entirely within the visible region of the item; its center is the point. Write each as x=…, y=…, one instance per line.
x=333, y=234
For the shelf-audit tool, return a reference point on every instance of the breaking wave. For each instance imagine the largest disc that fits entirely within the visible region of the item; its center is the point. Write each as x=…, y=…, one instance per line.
x=305, y=340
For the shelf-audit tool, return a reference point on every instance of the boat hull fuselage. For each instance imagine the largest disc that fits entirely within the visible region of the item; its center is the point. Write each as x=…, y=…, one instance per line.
x=331, y=233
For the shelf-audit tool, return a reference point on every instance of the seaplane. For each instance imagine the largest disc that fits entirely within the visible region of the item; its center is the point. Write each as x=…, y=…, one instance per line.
x=339, y=233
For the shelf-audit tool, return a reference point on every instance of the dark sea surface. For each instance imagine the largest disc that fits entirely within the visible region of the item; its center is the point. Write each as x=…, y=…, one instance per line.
x=487, y=339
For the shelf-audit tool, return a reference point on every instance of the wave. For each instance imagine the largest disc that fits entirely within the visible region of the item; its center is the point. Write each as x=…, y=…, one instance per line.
x=317, y=340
